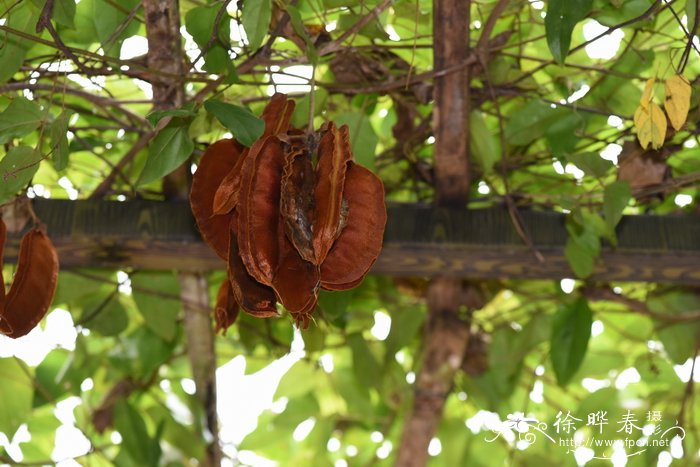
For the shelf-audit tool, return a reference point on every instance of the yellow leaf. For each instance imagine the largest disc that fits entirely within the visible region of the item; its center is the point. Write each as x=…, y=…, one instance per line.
x=650, y=124
x=646, y=95
x=677, y=101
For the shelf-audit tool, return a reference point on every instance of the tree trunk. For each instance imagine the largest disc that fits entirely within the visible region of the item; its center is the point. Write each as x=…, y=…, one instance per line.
x=166, y=57
x=446, y=333
x=451, y=108
x=445, y=342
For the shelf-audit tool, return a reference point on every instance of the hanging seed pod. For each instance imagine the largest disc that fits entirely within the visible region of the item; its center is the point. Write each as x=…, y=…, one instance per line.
x=33, y=285
x=360, y=242
x=259, y=211
x=333, y=157
x=226, y=309
x=217, y=161
x=288, y=227
x=255, y=298
x=296, y=280
x=297, y=201
x=277, y=115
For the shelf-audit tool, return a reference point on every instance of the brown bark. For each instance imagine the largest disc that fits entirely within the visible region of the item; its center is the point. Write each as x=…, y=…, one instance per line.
x=200, y=350
x=446, y=334
x=445, y=341
x=165, y=54
x=451, y=109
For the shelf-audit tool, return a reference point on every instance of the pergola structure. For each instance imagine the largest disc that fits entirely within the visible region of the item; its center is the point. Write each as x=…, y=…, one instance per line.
x=420, y=240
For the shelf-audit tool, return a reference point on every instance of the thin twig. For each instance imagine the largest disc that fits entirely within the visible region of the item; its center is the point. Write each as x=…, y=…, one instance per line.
x=106, y=184
x=45, y=22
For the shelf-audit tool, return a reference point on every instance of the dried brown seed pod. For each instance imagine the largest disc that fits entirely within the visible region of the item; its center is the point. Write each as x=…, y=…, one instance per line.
x=333, y=157
x=255, y=298
x=297, y=201
x=360, y=242
x=259, y=211
x=33, y=285
x=277, y=115
x=217, y=161
x=226, y=309
x=296, y=280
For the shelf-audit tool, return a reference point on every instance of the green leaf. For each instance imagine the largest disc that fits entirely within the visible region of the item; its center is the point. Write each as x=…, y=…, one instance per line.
x=13, y=48
x=562, y=17
x=42, y=424
x=298, y=25
x=168, y=150
x=364, y=364
x=363, y=139
x=580, y=257
x=244, y=126
x=356, y=396
x=50, y=377
x=591, y=163
x=105, y=315
x=691, y=11
x=615, y=199
x=217, y=60
x=583, y=245
x=199, y=22
x=679, y=339
x=183, y=437
x=482, y=142
x=405, y=323
x=111, y=21
x=371, y=30
x=22, y=116
x=299, y=380
x=159, y=312
x=335, y=305
x=611, y=13
x=314, y=338
x=507, y=354
x=59, y=141
x=16, y=170
x=571, y=330
x=64, y=12
x=300, y=117
x=615, y=93
x=530, y=122
x=16, y=393
x=563, y=132
x=157, y=115
x=136, y=442
x=256, y=21
x=140, y=353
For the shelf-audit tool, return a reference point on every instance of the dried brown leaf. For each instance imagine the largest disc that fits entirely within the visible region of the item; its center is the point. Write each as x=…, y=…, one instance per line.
x=641, y=168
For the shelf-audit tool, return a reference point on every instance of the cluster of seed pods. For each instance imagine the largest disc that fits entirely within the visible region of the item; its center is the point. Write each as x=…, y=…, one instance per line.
x=291, y=215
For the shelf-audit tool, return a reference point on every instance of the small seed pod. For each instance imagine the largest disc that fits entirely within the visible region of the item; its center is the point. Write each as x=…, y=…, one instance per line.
x=33, y=285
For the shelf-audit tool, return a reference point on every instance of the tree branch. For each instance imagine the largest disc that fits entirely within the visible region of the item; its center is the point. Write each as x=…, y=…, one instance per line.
x=446, y=333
